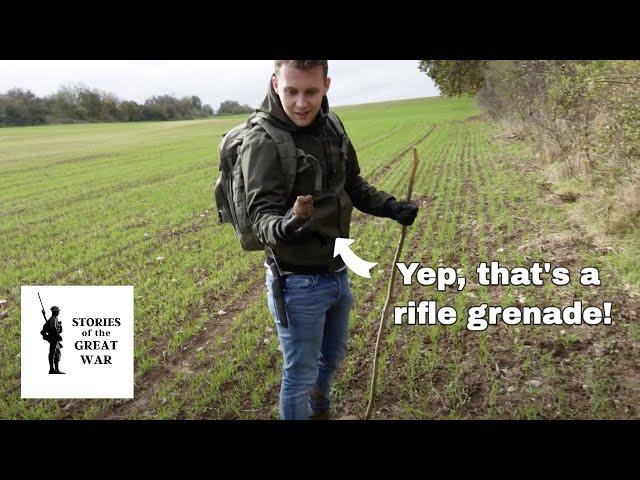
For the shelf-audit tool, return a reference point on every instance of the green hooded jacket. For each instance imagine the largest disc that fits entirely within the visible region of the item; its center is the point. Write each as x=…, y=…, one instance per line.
x=343, y=188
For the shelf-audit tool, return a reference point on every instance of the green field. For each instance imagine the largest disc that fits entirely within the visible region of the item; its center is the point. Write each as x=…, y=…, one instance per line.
x=98, y=204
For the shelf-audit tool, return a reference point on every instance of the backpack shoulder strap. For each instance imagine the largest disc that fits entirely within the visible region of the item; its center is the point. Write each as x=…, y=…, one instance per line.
x=335, y=122
x=287, y=150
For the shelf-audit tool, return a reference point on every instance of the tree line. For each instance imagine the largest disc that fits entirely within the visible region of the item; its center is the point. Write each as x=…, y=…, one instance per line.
x=80, y=104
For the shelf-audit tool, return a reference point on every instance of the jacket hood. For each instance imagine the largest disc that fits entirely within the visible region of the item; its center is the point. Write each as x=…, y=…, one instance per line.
x=272, y=106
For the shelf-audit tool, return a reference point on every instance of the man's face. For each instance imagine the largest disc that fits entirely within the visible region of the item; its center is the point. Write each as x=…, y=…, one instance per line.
x=301, y=92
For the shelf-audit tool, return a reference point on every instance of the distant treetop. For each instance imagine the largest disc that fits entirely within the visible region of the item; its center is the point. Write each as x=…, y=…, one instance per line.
x=232, y=107
x=79, y=103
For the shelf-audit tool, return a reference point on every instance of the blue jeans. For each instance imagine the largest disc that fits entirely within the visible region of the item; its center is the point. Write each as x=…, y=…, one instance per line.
x=315, y=343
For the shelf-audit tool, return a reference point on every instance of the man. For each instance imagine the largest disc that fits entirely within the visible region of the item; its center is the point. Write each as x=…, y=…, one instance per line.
x=51, y=333
x=317, y=294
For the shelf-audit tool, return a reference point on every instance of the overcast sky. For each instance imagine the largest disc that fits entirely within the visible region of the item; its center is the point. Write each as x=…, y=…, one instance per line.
x=353, y=81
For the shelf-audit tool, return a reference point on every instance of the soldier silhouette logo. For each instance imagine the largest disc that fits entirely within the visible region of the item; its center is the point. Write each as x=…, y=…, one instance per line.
x=50, y=332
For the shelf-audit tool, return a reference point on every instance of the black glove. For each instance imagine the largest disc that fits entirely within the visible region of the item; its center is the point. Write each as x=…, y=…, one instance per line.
x=403, y=212
x=292, y=229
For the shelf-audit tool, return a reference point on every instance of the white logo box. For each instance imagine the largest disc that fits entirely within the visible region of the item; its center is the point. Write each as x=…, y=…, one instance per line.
x=105, y=372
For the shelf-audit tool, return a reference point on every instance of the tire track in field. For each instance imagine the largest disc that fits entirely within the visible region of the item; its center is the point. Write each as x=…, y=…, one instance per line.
x=381, y=172
x=475, y=184
x=62, y=174
x=461, y=169
x=210, y=294
x=470, y=374
x=449, y=211
x=76, y=201
x=386, y=136
x=65, y=276
x=83, y=158
x=180, y=389
x=421, y=226
x=358, y=385
x=456, y=346
x=215, y=326
x=185, y=227
x=452, y=345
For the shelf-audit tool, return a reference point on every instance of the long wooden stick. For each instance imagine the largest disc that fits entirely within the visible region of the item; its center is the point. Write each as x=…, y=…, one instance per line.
x=374, y=379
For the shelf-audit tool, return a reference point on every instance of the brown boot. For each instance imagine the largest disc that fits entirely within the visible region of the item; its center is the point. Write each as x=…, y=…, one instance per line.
x=322, y=414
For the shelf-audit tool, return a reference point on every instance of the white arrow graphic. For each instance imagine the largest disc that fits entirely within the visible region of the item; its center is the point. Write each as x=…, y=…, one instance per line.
x=352, y=261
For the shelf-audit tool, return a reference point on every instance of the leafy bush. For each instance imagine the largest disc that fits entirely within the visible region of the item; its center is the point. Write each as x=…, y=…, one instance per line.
x=585, y=114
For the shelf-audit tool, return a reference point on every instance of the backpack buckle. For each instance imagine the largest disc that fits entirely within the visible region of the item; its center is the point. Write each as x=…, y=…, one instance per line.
x=308, y=160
